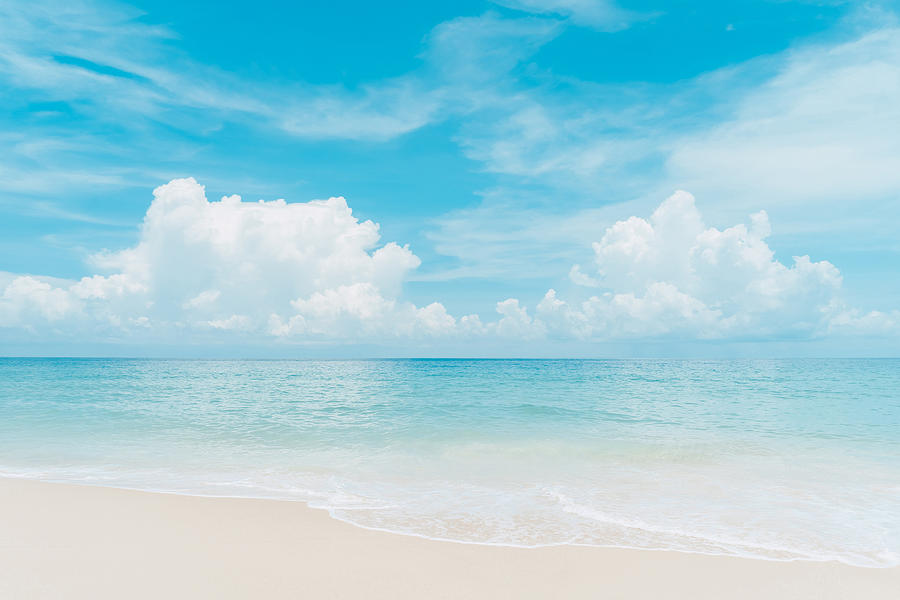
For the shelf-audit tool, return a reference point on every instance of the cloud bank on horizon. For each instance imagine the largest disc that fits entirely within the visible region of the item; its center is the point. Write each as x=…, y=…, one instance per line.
x=312, y=272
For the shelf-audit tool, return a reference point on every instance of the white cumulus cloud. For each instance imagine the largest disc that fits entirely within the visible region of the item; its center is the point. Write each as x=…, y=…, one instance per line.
x=309, y=270
x=312, y=272
x=671, y=275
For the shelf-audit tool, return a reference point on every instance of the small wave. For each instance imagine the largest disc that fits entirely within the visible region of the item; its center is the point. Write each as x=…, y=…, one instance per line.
x=728, y=545
x=416, y=517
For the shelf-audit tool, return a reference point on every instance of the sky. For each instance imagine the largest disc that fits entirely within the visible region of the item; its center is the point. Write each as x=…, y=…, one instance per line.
x=488, y=178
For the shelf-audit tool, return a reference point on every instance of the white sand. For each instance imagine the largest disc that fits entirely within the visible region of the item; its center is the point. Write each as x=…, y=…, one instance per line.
x=66, y=541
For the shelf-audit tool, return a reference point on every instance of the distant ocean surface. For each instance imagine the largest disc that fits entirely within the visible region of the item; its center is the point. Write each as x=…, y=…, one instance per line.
x=776, y=459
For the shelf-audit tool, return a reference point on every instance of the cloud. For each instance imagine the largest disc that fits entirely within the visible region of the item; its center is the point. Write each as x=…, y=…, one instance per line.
x=874, y=323
x=672, y=276
x=604, y=15
x=100, y=97
x=304, y=270
x=516, y=323
x=359, y=311
x=813, y=130
x=815, y=123
x=312, y=272
x=476, y=54
x=578, y=277
x=514, y=237
x=26, y=298
x=576, y=140
x=103, y=61
x=826, y=127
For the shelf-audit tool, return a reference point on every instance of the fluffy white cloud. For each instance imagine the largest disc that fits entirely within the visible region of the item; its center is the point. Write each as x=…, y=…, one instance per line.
x=308, y=270
x=360, y=311
x=671, y=275
x=874, y=323
x=26, y=298
x=732, y=270
x=313, y=272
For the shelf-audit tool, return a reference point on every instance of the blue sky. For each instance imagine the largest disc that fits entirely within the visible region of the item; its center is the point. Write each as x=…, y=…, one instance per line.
x=499, y=140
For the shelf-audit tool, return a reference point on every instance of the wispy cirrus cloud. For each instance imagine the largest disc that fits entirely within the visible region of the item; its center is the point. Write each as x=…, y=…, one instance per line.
x=604, y=15
x=825, y=127
x=102, y=58
x=813, y=126
x=99, y=92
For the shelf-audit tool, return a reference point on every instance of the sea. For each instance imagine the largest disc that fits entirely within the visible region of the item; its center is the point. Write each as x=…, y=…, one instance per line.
x=768, y=459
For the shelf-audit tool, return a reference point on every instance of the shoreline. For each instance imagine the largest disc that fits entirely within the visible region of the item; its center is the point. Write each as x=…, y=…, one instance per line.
x=4, y=476
x=81, y=541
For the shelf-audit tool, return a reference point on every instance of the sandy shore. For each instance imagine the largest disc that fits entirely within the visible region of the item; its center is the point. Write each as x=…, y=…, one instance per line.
x=67, y=541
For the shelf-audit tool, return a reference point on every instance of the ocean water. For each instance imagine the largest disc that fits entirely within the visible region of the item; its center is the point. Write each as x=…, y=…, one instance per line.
x=773, y=459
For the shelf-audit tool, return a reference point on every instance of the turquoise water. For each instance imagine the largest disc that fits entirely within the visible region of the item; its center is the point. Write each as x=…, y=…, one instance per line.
x=777, y=459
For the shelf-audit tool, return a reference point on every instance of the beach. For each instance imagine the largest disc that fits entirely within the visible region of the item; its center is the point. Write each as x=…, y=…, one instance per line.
x=526, y=299
x=71, y=541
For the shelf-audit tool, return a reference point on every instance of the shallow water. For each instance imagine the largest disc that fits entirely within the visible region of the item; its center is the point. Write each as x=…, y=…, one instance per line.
x=779, y=459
